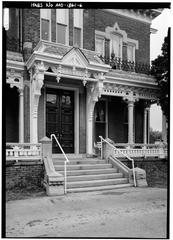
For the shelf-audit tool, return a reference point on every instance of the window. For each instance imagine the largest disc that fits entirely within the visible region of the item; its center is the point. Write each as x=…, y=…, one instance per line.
x=62, y=26
x=100, y=45
x=130, y=52
x=45, y=24
x=77, y=30
x=116, y=44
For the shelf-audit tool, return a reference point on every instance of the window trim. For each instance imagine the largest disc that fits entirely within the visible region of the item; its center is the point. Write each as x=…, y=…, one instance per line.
x=50, y=26
x=67, y=29
x=81, y=15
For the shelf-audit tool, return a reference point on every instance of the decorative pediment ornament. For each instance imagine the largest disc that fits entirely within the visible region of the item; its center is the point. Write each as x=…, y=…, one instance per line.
x=116, y=30
x=75, y=59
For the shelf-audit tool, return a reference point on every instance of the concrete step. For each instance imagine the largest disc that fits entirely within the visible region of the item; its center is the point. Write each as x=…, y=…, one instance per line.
x=79, y=161
x=83, y=166
x=89, y=171
x=94, y=177
x=95, y=183
x=99, y=188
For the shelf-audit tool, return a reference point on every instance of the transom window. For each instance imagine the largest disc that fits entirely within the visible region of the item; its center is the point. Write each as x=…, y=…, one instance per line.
x=45, y=24
x=77, y=27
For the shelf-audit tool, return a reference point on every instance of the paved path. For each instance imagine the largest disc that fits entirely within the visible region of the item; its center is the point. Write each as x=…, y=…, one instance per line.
x=130, y=212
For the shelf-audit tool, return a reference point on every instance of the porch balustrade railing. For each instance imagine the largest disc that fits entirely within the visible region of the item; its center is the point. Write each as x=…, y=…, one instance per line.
x=125, y=65
x=23, y=151
x=65, y=162
x=122, y=153
x=139, y=150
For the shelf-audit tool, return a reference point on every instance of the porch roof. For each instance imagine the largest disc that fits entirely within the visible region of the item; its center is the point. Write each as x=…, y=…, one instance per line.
x=59, y=53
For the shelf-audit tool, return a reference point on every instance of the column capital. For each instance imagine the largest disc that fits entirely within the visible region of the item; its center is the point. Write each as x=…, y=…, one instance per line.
x=130, y=98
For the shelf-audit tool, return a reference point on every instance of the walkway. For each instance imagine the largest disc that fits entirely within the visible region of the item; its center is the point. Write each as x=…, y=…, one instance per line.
x=130, y=212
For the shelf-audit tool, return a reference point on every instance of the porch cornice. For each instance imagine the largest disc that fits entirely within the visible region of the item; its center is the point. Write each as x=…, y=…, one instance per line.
x=131, y=79
x=48, y=53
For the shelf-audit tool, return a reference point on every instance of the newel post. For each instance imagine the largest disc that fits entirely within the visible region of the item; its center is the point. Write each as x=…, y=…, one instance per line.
x=46, y=147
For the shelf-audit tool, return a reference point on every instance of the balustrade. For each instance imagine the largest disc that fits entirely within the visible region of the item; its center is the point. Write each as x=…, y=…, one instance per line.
x=23, y=151
x=139, y=150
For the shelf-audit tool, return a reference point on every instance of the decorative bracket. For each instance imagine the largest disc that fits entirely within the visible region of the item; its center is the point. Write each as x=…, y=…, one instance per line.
x=15, y=79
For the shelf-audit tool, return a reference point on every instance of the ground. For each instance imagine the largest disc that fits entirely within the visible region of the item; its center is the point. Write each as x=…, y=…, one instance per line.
x=129, y=212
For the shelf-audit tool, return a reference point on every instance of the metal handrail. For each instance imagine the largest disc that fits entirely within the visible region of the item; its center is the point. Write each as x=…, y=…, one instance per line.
x=65, y=162
x=125, y=155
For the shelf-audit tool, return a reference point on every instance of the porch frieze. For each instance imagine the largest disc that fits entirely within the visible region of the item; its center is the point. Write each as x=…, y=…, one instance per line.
x=119, y=90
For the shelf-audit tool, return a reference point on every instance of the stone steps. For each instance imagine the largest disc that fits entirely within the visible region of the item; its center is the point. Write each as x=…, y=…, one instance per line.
x=99, y=188
x=95, y=183
x=82, y=166
x=94, y=177
x=90, y=174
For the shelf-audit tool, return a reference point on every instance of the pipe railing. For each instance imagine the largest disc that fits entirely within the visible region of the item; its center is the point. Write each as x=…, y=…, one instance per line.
x=65, y=162
x=125, y=155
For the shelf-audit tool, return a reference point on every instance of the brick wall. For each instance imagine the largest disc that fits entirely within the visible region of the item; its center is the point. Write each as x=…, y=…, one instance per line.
x=24, y=174
x=156, y=171
x=134, y=29
x=93, y=19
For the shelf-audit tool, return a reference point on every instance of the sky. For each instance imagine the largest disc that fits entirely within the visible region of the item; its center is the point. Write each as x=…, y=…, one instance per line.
x=161, y=23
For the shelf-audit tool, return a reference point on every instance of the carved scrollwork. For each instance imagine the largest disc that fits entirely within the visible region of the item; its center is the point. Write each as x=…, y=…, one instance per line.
x=15, y=79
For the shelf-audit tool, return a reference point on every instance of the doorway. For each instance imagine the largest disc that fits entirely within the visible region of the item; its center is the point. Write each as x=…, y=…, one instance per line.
x=60, y=118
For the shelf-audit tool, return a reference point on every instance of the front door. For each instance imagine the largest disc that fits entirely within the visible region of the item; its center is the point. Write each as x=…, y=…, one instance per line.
x=60, y=118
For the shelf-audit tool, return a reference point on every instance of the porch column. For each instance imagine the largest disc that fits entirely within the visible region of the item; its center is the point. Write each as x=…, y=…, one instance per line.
x=94, y=91
x=130, y=98
x=148, y=121
x=35, y=88
x=130, y=122
x=21, y=115
x=145, y=130
x=145, y=127
x=164, y=128
x=89, y=125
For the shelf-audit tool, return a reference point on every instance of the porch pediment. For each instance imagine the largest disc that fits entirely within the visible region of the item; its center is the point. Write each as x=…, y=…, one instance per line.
x=75, y=58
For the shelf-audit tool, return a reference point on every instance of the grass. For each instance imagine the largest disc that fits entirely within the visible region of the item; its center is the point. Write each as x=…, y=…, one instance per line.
x=19, y=193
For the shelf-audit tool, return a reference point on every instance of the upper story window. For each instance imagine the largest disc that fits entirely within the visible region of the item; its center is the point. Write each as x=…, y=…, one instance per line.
x=45, y=24
x=131, y=52
x=62, y=26
x=116, y=43
x=78, y=27
x=100, y=45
